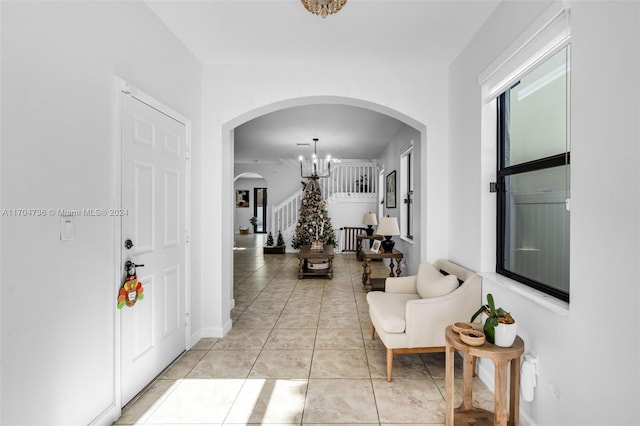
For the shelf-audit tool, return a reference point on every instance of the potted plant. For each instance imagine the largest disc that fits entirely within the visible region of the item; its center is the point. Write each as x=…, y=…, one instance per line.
x=499, y=327
x=253, y=220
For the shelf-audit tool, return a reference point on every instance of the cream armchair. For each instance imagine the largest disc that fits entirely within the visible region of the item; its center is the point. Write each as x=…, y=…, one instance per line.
x=410, y=316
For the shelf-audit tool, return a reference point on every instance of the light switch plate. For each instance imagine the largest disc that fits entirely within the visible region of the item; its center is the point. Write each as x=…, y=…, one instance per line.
x=67, y=228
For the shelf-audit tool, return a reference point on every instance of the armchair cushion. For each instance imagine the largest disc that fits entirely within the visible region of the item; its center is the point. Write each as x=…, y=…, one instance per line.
x=401, y=285
x=390, y=312
x=431, y=283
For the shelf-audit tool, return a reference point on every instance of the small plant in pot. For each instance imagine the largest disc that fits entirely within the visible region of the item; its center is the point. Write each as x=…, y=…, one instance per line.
x=253, y=220
x=499, y=327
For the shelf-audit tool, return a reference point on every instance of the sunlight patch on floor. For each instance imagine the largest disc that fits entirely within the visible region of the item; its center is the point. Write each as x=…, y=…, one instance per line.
x=224, y=401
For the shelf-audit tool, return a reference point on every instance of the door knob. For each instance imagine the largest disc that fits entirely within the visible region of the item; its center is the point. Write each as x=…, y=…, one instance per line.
x=128, y=244
x=130, y=267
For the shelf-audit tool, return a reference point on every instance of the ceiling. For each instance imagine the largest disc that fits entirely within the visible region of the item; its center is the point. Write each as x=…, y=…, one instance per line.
x=342, y=131
x=283, y=32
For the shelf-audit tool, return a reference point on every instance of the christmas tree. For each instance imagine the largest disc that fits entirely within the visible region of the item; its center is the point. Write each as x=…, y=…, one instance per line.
x=314, y=223
x=270, y=239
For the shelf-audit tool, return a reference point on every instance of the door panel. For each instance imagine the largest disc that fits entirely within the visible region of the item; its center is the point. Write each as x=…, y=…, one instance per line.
x=171, y=208
x=153, y=176
x=171, y=297
x=142, y=320
x=144, y=207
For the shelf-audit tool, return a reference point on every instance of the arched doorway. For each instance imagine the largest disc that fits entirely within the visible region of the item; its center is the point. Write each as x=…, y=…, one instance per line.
x=251, y=200
x=228, y=158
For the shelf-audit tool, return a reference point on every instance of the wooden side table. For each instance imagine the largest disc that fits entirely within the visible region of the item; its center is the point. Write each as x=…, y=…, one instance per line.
x=361, y=237
x=368, y=255
x=502, y=358
x=306, y=254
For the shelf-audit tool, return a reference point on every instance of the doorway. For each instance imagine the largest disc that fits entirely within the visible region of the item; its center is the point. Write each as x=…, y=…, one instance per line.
x=381, y=193
x=260, y=210
x=153, y=239
x=221, y=237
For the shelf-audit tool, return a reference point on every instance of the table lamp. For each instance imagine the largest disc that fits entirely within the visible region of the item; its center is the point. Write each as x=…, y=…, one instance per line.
x=388, y=227
x=369, y=220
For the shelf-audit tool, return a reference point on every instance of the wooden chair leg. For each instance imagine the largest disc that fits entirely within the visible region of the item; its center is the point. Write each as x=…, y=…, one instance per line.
x=373, y=331
x=389, y=364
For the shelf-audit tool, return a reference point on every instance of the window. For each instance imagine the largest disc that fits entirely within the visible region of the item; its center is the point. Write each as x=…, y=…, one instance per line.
x=406, y=189
x=533, y=178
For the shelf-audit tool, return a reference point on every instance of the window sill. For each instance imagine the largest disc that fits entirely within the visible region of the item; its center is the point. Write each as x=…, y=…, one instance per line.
x=407, y=240
x=556, y=306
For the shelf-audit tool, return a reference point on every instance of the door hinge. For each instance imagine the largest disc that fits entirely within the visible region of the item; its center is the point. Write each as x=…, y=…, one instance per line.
x=187, y=154
x=493, y=187
x=186, y=237
x=186, y=319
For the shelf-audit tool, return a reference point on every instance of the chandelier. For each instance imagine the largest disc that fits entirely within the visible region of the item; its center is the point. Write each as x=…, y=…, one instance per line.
x=314, y=161
x=323, y=7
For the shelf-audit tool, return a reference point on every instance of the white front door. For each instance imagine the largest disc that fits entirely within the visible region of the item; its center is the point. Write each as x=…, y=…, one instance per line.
x=153, y=194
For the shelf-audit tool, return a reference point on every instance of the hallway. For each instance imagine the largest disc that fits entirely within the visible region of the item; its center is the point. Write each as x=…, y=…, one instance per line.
x=299, y=353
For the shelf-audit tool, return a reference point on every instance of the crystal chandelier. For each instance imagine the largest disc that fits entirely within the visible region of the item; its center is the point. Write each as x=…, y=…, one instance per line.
x=314, y=161
x=323, y=7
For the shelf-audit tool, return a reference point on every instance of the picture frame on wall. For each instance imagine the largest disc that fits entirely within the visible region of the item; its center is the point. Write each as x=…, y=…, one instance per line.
x=242, y=198
x=390, y=191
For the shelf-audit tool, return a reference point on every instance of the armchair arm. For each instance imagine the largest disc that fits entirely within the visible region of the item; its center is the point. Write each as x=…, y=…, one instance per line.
x=401, y=284
x=426, y=319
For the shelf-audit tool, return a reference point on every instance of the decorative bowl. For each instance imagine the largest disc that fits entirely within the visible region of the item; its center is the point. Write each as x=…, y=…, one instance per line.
x=472, y=337
x=459, y=326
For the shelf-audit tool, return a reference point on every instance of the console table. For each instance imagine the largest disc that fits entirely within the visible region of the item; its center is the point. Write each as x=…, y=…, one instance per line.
x=368, y=255
x=307, y=256
x=502, y=358
x=361, y=237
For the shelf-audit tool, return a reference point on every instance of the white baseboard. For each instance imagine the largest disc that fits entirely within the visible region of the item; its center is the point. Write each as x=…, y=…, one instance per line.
x=195, y=338
x=107, y=417
x=215, y=332
x=525, y=420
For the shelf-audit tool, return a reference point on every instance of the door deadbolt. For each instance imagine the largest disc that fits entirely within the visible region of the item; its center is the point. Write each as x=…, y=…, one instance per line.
x=128, y=244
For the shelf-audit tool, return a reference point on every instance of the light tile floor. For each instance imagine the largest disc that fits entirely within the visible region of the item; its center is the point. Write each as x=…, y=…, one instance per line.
x=299, y=352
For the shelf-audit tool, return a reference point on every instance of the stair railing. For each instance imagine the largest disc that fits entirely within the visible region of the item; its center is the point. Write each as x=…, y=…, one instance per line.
x=348, y=180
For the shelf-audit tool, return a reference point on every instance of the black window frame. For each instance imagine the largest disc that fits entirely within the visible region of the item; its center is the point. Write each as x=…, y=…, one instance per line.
x=409, y=199
x=563, y=159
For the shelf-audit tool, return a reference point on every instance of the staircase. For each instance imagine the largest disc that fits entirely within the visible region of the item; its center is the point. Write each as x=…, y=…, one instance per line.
x=284, y=216
x=348, y=180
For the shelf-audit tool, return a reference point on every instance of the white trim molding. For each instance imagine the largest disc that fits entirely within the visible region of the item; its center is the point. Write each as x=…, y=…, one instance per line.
x=547, y=35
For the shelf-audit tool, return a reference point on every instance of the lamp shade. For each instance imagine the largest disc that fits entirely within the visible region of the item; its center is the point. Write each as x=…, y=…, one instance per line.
x=388, y=226
x=369, y=219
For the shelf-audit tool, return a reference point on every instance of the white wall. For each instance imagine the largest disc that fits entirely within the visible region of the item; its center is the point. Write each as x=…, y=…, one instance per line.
x=233, y=94
x=390, y=161
x=58, y=151
x=348, y=212
x=283, y=179
x=588, y=366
